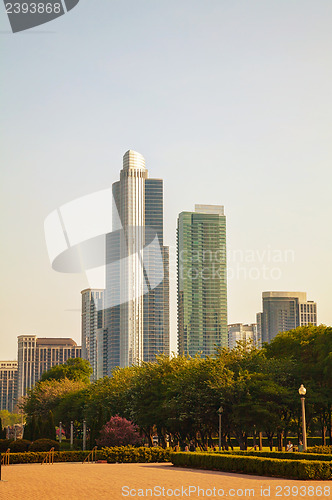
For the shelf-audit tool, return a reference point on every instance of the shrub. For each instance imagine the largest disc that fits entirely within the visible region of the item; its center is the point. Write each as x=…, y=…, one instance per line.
x=59, y=456
x=65, y=446
x=19, y=446
x=5, y=444
x=320, y=449
x=129, y=454
x=44, y=445
x=292, y=469
x=122, y=454
x=294, y=455
x=118, y=432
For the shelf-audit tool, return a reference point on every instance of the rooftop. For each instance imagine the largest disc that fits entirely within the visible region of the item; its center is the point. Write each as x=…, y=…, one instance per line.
x=210, y=209
x=56, y=341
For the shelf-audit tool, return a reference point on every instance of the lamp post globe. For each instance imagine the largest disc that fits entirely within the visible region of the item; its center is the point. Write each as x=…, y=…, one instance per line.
x=302, y=390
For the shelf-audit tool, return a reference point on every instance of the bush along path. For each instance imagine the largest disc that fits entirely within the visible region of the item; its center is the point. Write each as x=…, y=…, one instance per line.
x=260, y=466
x=121, y=454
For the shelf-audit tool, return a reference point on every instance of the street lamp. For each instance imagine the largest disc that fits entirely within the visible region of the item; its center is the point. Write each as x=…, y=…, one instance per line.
x=84, y=435
x=302, y=392
x=71, y=434
x=219, y=411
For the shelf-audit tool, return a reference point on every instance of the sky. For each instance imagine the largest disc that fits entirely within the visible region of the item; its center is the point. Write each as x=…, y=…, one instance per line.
x=229, y=102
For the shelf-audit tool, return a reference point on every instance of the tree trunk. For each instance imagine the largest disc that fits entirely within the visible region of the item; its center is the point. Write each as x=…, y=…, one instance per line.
x=269, y=436
x=285, y=438
x=260, y=441
x=280, y=441
x=230, y=442
x=254, y=439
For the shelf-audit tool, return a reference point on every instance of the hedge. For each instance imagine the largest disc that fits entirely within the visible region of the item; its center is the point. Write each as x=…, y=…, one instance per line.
x=325, y=450
x=19, y=446
x=311, y=441
x=130, y=454
x=44, y=445
x=5, y=444
x=273, y=467
x=292, y=455
x=122, y=454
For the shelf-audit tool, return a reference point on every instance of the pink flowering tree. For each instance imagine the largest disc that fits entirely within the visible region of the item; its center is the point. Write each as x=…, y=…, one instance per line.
x=118, y=432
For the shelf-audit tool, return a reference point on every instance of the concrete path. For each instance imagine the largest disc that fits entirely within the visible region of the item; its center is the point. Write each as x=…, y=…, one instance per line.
x=120, y=481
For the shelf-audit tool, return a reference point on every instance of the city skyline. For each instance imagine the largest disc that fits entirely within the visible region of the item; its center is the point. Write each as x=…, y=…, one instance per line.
x=239, y=115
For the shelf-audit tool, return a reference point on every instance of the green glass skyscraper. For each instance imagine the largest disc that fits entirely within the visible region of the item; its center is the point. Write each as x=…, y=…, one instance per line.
x=202, y=280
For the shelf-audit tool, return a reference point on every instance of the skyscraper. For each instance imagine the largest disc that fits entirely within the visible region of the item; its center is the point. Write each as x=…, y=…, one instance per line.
x=136, y=317
x=237, y=332
x=202, y=280
x=37, y=355
x=284, y=311
x=8, y=385
x=92, y=324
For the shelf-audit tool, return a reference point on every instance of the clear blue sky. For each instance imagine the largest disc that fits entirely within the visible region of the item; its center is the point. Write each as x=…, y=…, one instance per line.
x=229, y=102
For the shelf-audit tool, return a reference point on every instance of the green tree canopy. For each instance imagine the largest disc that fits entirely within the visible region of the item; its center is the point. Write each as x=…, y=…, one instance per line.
x=72, y=369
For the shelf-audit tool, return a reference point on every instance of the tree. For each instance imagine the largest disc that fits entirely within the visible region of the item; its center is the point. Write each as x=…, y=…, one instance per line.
x=10, y=418
x=119, y=432
x=49, y=427
x=310, y=349
x=46, y=396
x=32, y=429
x=77, y=369
x=2, y=431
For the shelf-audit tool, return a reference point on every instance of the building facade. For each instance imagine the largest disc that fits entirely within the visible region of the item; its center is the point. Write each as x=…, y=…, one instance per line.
x=92, y=325
x=8, y=385
x=136, y=317
x=238, y=332
x=283, y=311
x=202, y=280
x=37, y=355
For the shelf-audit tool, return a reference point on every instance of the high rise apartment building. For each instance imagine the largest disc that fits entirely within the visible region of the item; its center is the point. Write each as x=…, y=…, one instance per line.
x=238, y=332
x=8, y=385
x=202, y=280
x=135, y=324
x=283, y=311
x=37, y=355
x=92, y=330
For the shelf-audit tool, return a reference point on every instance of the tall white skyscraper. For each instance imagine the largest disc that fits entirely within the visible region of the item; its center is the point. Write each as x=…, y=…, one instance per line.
x=136, y=319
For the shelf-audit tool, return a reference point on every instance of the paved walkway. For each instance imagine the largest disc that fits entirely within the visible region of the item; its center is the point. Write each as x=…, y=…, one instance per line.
x=119, y=481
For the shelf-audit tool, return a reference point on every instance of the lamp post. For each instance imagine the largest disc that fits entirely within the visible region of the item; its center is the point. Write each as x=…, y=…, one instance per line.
x=302, y=392
x=84, y=435
x=219, y=411
x=71, y=434
x=60, y=432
